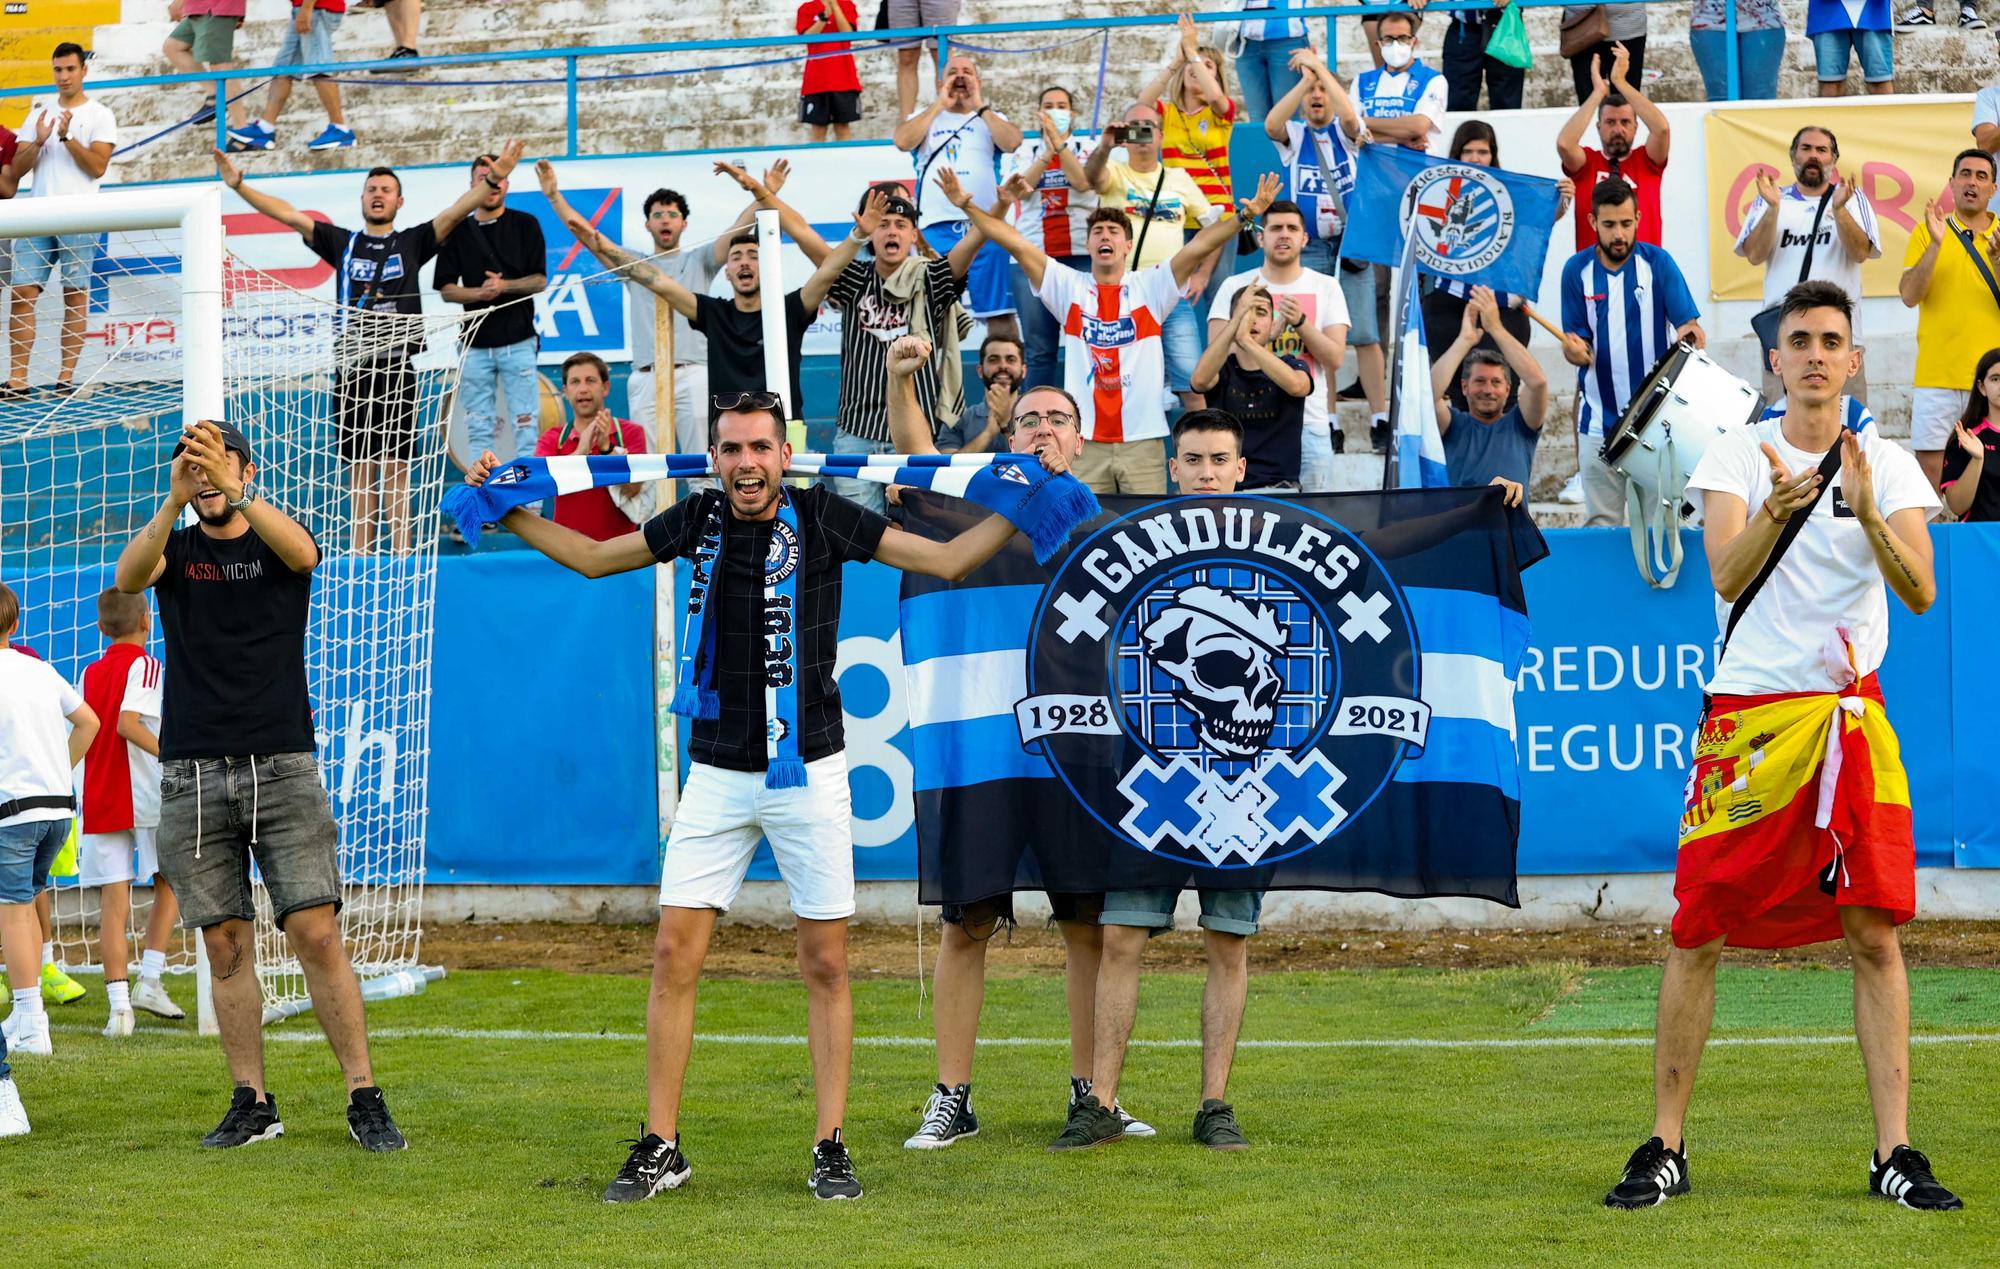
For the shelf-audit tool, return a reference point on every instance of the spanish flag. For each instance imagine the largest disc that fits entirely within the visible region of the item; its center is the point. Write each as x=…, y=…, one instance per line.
x=1797, y=805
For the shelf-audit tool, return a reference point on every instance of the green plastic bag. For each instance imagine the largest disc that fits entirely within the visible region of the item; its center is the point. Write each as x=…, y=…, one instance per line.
x=1510, y=39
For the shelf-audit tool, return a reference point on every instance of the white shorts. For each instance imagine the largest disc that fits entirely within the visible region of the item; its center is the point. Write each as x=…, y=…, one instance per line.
x=1933, y=411
x=722, y=815
x=104, y=858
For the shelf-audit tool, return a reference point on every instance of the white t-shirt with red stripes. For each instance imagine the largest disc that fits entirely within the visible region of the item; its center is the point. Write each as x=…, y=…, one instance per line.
x=141, y=697
x=1114, y=362
x=1053, y=216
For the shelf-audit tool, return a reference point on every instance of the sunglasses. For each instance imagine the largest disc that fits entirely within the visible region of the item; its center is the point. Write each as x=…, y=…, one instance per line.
x=727, y=401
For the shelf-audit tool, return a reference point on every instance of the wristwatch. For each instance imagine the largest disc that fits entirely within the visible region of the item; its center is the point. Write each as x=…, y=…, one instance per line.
x=249, y=496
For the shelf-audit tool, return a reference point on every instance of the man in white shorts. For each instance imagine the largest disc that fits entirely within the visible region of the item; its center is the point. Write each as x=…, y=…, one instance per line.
x=1951, y=276
x=121, y=809
x=766, y=743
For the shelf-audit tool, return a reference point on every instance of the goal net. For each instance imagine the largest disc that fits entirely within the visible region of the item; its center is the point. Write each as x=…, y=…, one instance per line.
x=173, y=325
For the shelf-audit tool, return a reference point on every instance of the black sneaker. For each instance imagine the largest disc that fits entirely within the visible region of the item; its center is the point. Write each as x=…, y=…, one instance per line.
x=832, y=1175
x=1215, y=1126
x=1653, y=1175
x=947, y=1117
x=368, y=1122
x=1378, y=435
x=1079, y=1088
x=1090, y=1124
x=401, y=54
x=1339, y=440
x=1907, y=1178
x=1969, y=19
x=1916, y=17
x=248, y=1120
x=653, y=1165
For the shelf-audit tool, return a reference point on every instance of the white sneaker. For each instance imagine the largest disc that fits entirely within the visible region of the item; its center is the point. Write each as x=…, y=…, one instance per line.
x=1572, y=490
x=119, y=1024
x=30, y=1035
x=13, y=1115
x=152, y=997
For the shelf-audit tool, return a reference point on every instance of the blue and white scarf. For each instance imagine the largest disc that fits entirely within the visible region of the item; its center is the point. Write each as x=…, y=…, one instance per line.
x=1044, y=507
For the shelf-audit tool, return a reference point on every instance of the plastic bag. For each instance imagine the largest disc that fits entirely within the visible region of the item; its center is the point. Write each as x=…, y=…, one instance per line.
x=1510, y=39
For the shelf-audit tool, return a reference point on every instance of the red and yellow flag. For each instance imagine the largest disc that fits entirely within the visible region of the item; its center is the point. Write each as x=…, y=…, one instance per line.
x=1784, y=788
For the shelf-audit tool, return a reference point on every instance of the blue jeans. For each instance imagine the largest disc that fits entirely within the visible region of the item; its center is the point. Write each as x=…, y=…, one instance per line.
x=491, y=374
x=1182, y=339
x=1759, y=54
x=26, y=853
x=1040, y=331
x=1263, y=67
x=1224, y=911
x=866, y=492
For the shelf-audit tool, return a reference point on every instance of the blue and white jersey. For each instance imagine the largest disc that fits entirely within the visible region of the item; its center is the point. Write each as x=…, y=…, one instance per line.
x=1304, y=184
x=1273, y=27
x=1854, y=416
x=1385, y=94
x=1629, y=315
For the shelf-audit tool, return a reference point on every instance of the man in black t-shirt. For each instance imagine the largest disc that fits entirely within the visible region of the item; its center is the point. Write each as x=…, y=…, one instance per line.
x=496, y=262
x=238, y=776
x=727, y=804
x=375, y=275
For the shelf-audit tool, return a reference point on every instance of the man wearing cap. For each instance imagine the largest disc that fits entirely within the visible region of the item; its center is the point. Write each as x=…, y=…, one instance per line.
x=238, y=776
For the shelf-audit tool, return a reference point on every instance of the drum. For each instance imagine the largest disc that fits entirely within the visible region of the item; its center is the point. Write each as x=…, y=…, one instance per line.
x=1683, y=405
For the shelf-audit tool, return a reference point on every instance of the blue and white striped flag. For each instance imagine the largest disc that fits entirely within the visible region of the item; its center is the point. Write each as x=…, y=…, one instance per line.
x=1419, y=446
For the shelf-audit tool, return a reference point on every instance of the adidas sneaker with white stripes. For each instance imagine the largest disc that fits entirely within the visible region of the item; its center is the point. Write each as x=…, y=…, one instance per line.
x=1653, y=1175
x=1907, y=1179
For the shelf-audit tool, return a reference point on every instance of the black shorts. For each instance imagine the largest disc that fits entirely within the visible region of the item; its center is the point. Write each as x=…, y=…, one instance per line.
x=821, y=109
x=983, y=914
x=375, y=411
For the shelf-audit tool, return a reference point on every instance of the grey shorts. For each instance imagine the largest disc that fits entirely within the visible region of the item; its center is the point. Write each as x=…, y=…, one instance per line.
x=1224, y=911
x=216, y=814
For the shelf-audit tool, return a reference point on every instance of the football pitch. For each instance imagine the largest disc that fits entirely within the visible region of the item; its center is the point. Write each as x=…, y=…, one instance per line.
x=1402, y=1116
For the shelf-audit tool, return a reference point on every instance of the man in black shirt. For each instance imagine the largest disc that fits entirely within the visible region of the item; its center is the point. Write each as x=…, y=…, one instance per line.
x=375, y=390
x=238, y=777
x=728, y=802
x=498, y=261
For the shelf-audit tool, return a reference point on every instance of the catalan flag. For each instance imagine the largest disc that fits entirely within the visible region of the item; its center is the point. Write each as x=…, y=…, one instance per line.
x=1796, y=803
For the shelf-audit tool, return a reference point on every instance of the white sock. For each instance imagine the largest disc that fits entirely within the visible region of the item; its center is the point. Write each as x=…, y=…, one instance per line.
x=48, y=954
x=1380, y=418
x=118, y=995
x=151, y=962
x=28, y=1001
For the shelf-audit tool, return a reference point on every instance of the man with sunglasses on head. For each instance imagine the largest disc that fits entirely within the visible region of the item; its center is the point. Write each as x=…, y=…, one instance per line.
x=768, y=751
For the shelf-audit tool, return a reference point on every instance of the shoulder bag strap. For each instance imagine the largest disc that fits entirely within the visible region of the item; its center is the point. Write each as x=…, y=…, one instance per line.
x=1964, y=237
x=1812, y=236
x=1326, y=176
x=1793, y=526
x=1159, y=184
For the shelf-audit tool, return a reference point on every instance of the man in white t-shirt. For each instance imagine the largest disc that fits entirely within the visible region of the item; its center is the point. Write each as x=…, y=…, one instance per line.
x=1312, y=321
x=67, y=143
x=1797, y=823
x=37, y=754
x=1847, y=235
x=958, y=132
x=1113, y=354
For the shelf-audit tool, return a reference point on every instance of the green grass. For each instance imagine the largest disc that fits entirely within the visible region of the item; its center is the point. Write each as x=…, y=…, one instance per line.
x=1493, y=1155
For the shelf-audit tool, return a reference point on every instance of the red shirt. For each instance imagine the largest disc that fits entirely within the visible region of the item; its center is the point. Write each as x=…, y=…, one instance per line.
x=1640, y=172
x=830, y=68
x=8, y=144
x=107, y=767
x=331, y=6
x=591, y=511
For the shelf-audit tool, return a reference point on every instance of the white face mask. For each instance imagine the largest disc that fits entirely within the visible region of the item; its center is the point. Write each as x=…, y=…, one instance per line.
x=1060, y=118
x=1397, y=56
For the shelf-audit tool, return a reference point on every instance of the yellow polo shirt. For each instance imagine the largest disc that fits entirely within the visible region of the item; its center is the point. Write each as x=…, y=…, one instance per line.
x=1959, y=318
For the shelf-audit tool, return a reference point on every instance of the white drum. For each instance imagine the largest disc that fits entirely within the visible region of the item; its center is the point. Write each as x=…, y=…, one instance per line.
x=1684, y=404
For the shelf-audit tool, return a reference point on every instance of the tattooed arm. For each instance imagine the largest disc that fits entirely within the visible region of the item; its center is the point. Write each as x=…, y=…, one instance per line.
x=1901, y=543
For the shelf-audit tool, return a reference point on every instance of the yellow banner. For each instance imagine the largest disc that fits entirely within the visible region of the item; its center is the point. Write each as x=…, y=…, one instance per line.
x=1901, y=154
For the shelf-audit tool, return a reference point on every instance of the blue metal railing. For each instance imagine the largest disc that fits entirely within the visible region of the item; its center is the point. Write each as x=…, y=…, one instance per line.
x=942, y=36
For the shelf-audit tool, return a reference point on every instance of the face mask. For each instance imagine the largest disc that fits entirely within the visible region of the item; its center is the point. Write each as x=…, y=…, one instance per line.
x=1060, y=118
x=1397, y=56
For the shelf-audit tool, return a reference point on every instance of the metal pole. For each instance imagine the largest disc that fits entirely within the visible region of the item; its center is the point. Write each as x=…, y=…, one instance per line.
x=667, y=754
x=221, y=114
x=569, y=95
x=777, y=351
x=1729, y=40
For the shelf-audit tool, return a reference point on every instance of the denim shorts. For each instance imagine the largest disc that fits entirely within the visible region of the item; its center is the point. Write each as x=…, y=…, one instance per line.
x=315, y=48
x=1182, y=337
x=26, y=851
x=1358, y=289
x=1876, y=49
x=216, y=814
x=38, y=259
x=1224, y=911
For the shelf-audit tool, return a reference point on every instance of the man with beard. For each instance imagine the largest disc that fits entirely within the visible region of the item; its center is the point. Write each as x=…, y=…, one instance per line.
x=1619, y=107
x=768, y=760
x=1950, y=284
x=985, y=426
x=1624, y=304
x=1812, y=229
x=237, y=774
x=375, y=273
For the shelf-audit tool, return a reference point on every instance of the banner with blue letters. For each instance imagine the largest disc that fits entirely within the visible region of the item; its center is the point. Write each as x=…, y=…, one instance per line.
x=1471, y=223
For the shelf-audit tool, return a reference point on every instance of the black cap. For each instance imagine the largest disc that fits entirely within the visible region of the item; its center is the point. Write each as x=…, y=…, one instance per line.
x=899, y=203
x=231, y=439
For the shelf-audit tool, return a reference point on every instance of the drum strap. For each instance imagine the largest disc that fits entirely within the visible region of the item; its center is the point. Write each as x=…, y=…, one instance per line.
x=1964, y=237
x=1794, y=524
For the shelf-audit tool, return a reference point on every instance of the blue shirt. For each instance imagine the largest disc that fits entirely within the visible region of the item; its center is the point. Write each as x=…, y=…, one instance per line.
x=1475, y=451
x=1629, y=315
x=1847, y=15
x=1273, y=28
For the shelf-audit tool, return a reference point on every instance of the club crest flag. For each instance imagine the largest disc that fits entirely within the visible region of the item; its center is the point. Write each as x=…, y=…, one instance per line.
x=1239, y=692
x=1481, y=225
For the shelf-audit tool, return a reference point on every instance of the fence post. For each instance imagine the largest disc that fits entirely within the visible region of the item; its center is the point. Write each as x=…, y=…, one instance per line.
x=1729, y=40
x=569, y=90
x=221, y=114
